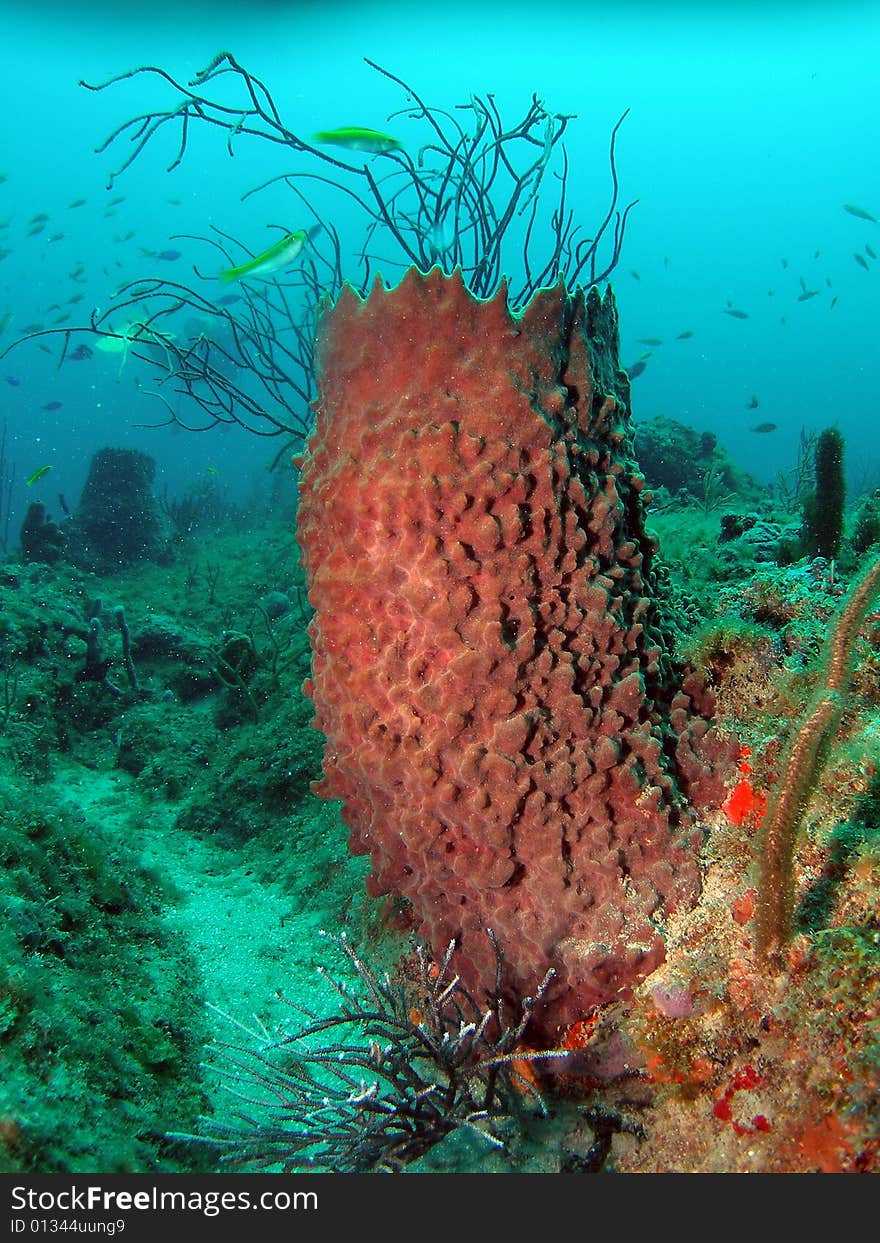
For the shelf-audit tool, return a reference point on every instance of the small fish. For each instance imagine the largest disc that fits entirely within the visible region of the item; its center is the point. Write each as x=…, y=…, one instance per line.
x=77, y=203
x=736, y=314
x=77, y=297
x=279, y=256
x=684, y=336
x=53, y=405
x=62, y=318
x=2, y=178
x=357, y=139
x=13, y=380
x=784, y=263
x=35, y=229
x=828, y=281
x=37, y=476
x=81, y=352
x=803, y=284
x=636, y=369
x=859, y=212
x=816, y=254
x=110, y=345
x=229, y=299
x=833, y=302
x=174, y=202
x=753, y=404
x=55, y=237
x=113, y=344
x=212, y=470
x=120, y=198
x=861, y=261
x=807, y=294
x=649, y=341
x=5, y=321
x=41, y=217
x=168, y=255
x=870, y=251
x=763, y=428
x=634, y=274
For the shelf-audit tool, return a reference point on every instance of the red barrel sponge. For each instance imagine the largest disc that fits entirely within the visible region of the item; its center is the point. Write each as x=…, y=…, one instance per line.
x=511, y=740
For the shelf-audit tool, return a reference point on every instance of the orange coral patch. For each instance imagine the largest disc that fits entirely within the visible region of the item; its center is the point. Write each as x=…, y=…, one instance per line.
x=826, y=1146
x=743, y=907
x=578, y=1034
x=745, y=803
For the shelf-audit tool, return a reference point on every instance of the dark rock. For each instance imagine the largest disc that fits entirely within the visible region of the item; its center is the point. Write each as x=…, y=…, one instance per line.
x=41, y=538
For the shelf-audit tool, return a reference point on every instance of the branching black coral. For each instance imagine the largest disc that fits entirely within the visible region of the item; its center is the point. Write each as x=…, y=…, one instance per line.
x=374, y=1086
x=465, y=190
x=453, y=199
x=214, y=364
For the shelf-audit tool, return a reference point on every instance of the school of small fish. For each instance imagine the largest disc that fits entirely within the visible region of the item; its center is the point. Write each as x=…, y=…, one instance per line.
x=278, y=257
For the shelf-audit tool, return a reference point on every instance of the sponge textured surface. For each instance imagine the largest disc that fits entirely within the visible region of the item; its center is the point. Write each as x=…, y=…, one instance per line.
x=509, y=736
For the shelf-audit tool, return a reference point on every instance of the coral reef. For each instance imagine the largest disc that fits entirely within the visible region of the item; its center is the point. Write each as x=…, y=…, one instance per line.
x=100, y=1010
x=735, y=1069
x=513, y=744
x=690, y=465
x=127, y=822
x=171, y=825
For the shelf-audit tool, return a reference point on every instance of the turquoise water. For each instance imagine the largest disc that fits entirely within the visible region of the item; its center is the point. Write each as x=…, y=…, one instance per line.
x=747, y=292
x=747, y=132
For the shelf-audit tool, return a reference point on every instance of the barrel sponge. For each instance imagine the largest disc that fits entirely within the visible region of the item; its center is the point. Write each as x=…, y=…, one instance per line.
x=511, y=740
x=823, y=512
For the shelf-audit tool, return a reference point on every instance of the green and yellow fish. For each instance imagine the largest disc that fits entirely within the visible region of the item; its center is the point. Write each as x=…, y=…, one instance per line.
x=37, y=476
x=279, y=256
x=358, y=139
x=859, y=212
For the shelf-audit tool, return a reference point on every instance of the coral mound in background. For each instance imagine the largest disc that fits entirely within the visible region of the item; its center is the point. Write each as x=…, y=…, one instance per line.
x=512, y=741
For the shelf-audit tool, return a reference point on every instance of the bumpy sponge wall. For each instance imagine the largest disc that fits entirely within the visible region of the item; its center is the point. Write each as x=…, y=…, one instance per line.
x=487, y=669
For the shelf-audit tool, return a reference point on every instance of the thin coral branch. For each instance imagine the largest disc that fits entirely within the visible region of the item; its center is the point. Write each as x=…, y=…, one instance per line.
x=454, y=203
x=250, y=364
x=800, y=767
x=401, y=1064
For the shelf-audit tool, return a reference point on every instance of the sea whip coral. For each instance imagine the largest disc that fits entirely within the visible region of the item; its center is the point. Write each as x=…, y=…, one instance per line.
x=800, y=767
x=510, y=737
